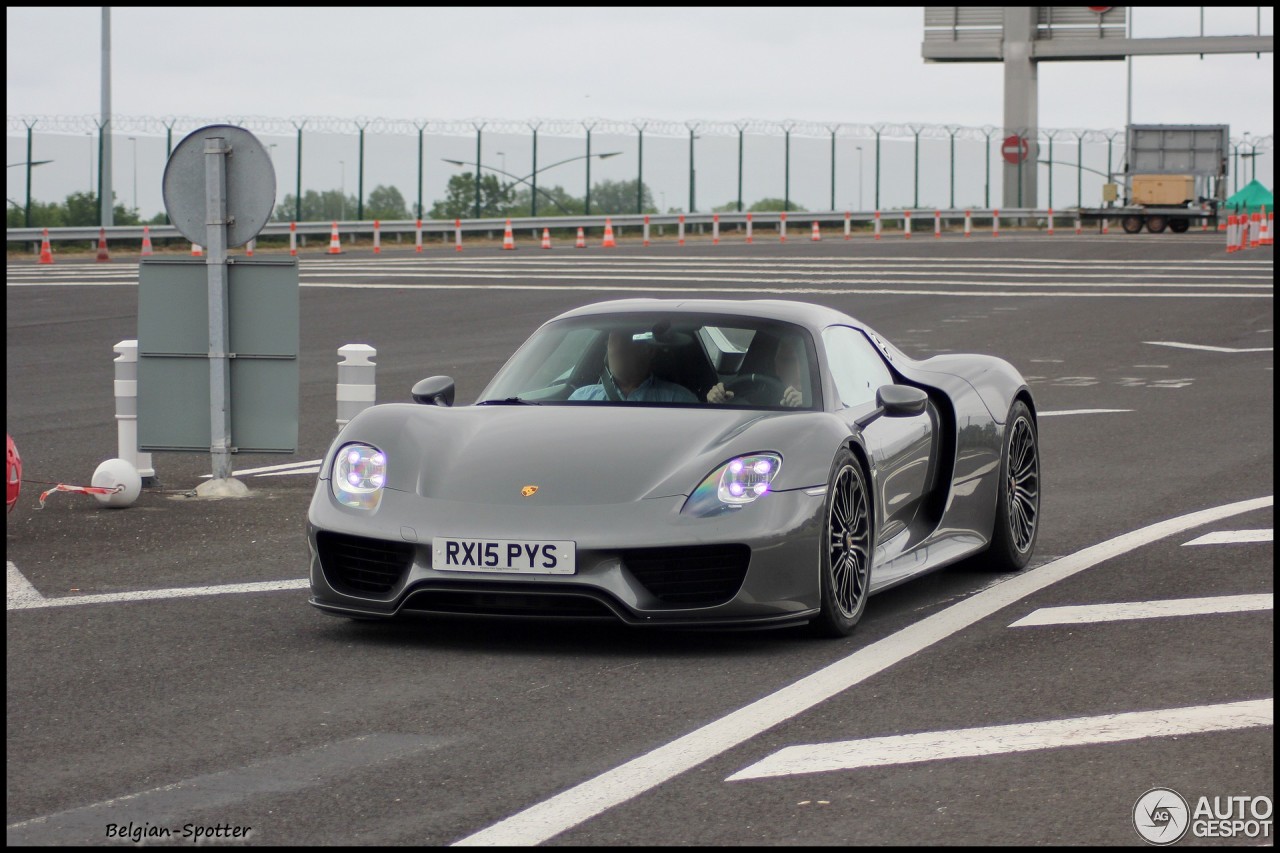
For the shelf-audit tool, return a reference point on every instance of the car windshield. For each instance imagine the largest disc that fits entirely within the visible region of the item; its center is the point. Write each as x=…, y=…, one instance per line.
x=662, y=359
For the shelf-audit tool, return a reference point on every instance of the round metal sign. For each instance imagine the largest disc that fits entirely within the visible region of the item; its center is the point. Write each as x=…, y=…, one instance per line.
x=1014, y=149
x=250, y=184
x=1101, y=10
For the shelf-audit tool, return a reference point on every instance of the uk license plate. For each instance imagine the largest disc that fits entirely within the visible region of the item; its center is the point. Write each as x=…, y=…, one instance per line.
x=520, y=556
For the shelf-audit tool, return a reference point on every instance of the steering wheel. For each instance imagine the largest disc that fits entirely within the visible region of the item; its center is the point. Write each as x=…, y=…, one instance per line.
x=761, y=388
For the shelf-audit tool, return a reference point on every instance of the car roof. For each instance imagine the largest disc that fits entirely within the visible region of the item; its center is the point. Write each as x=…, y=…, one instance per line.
x=809, y=314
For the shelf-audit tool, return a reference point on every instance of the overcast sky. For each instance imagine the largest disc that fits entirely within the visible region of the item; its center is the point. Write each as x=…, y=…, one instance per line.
x=830, y=65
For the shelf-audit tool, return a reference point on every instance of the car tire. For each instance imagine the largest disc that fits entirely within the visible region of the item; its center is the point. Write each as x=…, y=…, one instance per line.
x=845, y=550
x=1017, y=515
x=1157, y=224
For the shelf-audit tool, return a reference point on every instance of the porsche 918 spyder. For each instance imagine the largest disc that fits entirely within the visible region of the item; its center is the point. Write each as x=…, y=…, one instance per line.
x=680, y=462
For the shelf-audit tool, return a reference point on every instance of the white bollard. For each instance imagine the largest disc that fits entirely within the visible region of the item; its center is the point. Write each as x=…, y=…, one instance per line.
x=906, y=226
x=995, y=223
x=748, y=227
x=417, y=236
x=646, y=229
x=847, y=216
x=293, y=239
x=126, y=393
x=715, y=230
x=877, y=225
x=968, y=223
x=782, y=229
x=937, y=223
x=357, y=389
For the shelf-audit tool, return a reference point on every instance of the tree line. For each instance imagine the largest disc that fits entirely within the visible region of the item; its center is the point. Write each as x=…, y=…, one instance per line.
x=498, y=200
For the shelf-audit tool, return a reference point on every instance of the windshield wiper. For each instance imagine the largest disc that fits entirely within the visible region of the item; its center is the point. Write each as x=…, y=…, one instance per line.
x=510, y=401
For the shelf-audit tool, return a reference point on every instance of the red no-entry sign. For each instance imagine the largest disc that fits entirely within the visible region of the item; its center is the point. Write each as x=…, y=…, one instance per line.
x=1014, y=149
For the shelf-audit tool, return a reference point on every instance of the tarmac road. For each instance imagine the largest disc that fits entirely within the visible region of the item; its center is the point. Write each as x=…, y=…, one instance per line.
x=1151, y=360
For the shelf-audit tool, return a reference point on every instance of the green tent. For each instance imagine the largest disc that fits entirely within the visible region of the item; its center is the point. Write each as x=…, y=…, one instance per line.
x=1251, y=198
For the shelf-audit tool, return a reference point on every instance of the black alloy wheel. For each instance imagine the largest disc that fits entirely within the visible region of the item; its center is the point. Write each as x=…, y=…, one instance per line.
x=845, y=562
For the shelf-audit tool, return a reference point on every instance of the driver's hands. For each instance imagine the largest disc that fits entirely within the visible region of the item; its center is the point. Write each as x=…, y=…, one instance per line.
x=791, y=398
x=717, y=394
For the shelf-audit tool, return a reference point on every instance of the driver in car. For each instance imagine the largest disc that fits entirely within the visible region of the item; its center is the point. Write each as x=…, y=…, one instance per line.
x=629, y=377
x=787, y=362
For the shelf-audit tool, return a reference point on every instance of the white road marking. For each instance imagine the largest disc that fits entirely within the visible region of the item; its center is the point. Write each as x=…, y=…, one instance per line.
x=282, y=468
x=1225, y=537
x=1208, y=348
x=847, y=291
x=999, y=740
x=19, y=592
x=24, y=601
x=315, y=469
x=588, y=799
x=1081, y=412
x=1086, y=613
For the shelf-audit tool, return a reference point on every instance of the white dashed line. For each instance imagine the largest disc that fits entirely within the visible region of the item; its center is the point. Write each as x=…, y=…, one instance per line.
x=1087, y=613
x=999, y=740
x=1228, y=537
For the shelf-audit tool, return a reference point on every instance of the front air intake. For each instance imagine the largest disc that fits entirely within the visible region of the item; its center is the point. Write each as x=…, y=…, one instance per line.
x=691, y=576
x=355, y=564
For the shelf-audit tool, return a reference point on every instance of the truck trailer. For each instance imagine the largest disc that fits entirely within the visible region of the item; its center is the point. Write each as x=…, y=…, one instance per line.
x=1173, y=175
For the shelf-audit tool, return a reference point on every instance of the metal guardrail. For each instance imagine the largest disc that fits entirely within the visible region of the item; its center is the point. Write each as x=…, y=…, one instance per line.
x=921, y=218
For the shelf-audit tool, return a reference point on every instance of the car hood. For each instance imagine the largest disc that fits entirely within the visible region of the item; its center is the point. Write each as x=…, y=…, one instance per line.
x=577, y=455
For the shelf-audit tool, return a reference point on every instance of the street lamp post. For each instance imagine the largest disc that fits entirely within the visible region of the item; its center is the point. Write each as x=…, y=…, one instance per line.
x=534, y=174
x=859, y=177
x=134, y=140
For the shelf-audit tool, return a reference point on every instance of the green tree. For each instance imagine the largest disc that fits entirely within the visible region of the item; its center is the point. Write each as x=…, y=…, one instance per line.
x=317, y=207
x=496, y=198
x=768, y=205
x=79, y=210
x=552, y=201
x=386, y=203
x=619, y=197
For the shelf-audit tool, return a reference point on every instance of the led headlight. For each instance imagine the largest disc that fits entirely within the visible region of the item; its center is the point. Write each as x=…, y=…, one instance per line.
x=359, y=473
x=736, y=483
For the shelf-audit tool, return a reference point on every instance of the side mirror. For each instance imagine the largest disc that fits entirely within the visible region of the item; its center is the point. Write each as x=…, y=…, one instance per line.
x=901, y=401
x=895, y=401
x=434, y=391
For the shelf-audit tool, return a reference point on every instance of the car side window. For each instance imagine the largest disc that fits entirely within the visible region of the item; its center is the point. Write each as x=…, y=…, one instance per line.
x=856, y=367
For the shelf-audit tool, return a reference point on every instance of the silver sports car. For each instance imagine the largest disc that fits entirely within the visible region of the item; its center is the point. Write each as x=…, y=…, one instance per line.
x=680, y=462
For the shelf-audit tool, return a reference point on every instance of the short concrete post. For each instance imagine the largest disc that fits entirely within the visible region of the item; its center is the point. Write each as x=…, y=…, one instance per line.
x=357, y=389
x=126, y=392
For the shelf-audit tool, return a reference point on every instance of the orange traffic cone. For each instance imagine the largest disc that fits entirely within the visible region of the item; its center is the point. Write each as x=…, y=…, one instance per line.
x=102, y=245
x=582, y=239
x=817, y=235
x=546, y=238
x=146, y=240
x=248, y=248
x=335, y=245
x=46, y=253
x=1267, y=239
x=196, y=251
x=508, y=239
x=608, y=235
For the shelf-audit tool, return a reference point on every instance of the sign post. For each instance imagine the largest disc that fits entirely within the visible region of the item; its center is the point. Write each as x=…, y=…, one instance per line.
x=219, y=190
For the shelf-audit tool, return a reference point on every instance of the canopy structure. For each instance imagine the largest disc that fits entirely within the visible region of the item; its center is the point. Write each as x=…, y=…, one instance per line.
x=1252, y=197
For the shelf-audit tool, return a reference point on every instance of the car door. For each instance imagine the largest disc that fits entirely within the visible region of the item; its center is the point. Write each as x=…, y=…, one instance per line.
x=901, y=448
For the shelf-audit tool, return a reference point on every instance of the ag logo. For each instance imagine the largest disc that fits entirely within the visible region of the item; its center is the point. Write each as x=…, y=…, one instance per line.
x=1161, y=816
x=528, y=491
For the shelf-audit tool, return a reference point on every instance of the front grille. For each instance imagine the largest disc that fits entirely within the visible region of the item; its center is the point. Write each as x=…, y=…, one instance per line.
x=359, y=565
x=508, y=602
x=692, y=576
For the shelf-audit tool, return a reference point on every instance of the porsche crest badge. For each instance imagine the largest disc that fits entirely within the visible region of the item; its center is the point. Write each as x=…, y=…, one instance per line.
x=528, y=491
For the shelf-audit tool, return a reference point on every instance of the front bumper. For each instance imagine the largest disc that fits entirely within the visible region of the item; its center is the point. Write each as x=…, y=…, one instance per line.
x=631, y=560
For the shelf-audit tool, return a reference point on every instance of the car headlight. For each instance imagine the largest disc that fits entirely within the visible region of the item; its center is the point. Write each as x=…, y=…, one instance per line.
x=359, y=473
x=734, y=484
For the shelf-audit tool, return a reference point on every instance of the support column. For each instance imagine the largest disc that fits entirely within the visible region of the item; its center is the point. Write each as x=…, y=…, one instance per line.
x=1021, y=104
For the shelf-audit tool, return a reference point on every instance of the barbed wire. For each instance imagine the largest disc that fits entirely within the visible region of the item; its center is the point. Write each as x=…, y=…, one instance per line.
x=81, y=124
